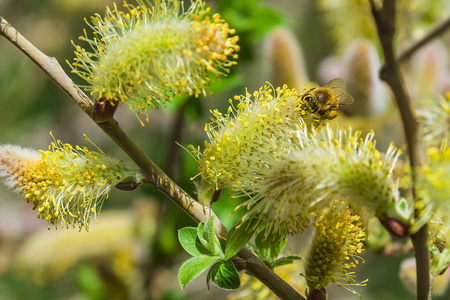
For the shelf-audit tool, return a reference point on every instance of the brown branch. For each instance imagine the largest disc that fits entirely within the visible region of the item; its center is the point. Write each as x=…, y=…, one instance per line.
x=385, y=19
x=438, y=30
x=153, y=174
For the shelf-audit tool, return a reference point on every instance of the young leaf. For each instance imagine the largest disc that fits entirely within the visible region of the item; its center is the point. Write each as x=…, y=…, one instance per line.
x=238, y=237
x=191, y=243
x=208, y=238
x=285, y=260
x=200, y=229
x=193, y=267
x=223, y=244
x=226, y=276
x=212, y=272
x=269, y=247
x=210, y=235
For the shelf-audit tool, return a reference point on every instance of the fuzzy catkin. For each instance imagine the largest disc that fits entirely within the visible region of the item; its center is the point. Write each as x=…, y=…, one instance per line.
x=319, y=166
x=65, y=184
x=239, y=140
x=336, y=245
x=145, y=55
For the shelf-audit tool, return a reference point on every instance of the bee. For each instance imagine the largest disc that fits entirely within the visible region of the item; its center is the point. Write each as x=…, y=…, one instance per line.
x=325, y=100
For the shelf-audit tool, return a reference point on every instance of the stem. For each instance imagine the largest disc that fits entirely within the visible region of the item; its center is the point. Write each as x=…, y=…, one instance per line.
x=422, y=254
x=259, y=270
x=438, y=30
x=153, y=174
x=156, y=177
x=385, y=19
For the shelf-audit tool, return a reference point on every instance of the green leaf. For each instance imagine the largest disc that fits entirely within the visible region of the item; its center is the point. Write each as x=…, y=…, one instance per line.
x=239, y=236
x=226, y=276
x=191, y=243
x=208, y=238
x=270, y=246
x=440, y=261
x=200, y=229
x=253, y=248
x=193, y=267
x=285, y=260
x=212, y=272
x=223, y=244
x=209, y=233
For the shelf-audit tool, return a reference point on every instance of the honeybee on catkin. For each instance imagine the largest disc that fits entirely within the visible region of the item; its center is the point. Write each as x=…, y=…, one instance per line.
x=324, y=100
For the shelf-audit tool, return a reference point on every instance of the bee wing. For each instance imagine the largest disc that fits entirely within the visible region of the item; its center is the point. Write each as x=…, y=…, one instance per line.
x=345, y=98
x=337, y=85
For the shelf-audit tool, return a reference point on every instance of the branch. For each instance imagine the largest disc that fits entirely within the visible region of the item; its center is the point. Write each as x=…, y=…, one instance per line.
x=156, y=177
x=385, y=19
x=153, y=174
x=438, y=30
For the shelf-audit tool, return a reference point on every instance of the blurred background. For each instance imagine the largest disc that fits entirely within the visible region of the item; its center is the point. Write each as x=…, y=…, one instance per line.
x=133, y=252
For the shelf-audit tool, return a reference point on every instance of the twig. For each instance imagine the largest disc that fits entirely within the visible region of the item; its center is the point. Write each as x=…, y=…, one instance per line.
x=385, y=19
x=153, y=174
x=438, y=30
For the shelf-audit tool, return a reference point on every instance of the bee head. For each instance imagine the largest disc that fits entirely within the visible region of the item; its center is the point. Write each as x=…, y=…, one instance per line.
x=311, y=102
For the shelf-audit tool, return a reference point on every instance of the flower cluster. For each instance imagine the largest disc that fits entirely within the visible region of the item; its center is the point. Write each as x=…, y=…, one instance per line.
x=435, y=118
x=249, y=131
x=347, y=17
x=436, y=175
x=284, y=57
x=336, y=246
x=321, y=165
x=361, y=66
x=65, y=184
x=434, y=187
x=114, y=239
x=147, y=54
x=348, y=20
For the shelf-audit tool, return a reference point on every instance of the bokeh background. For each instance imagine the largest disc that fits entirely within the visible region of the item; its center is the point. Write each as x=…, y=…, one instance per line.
x=133, y=252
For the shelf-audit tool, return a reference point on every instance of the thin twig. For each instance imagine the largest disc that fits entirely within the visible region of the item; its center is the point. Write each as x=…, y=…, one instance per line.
x=438, y=30
x=153, y=174
x=385, y=19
